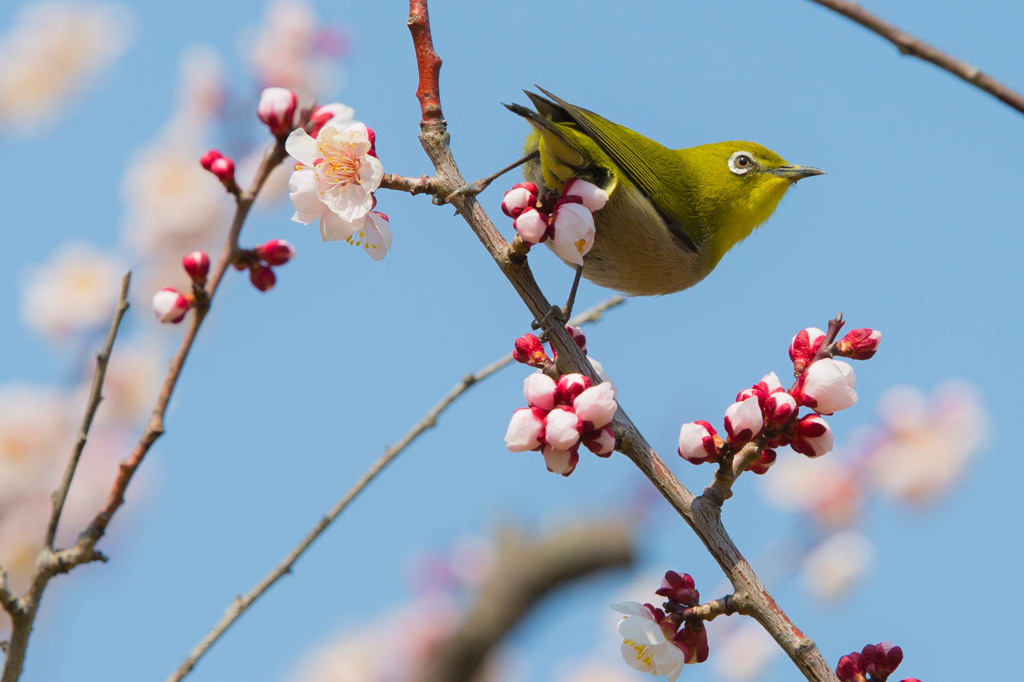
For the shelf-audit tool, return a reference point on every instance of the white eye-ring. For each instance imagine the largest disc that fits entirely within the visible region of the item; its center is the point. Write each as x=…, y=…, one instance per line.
x=740, y=163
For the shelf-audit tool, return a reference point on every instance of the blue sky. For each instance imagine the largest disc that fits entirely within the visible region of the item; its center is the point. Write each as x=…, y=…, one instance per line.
x=915, y=231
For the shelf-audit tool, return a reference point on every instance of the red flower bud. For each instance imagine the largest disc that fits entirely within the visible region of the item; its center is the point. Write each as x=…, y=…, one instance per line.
x=262, y=277
x=197, y=265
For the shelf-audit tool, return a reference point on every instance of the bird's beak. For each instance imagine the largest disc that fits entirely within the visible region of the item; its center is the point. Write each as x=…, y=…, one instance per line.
x=795, y=173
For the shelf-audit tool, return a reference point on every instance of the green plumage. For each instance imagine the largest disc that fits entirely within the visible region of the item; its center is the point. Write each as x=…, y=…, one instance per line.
x=672, y=213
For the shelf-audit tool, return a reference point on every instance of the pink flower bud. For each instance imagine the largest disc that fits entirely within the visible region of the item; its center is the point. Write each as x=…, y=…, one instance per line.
x=262, y=277
x=743, y=421
x=560, y=461
x=539, y=391
x=578, y=336
x=679, y=588
x=207, y=159
x=532, y=226
x=277, y=110
x=197, y=265
x=763, y=463
x=804, y=347
x=275, y=252
x=752, y=392
x=779, y=408
x=562, y=429
x=569, y=387
x=522, y=196
x=170, y=305
x=525, y=429
x=769, y=384
x=826, y=386
x=697, y=442
x=859, y=344
x=325, y=113
x=600, y=441
x=224, y=169
x=572, y=232
x=596, y=405
x=530, y=351
x=592, y=196
x=812, y=436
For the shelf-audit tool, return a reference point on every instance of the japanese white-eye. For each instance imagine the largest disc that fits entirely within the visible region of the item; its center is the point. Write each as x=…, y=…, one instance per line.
x=671, y=213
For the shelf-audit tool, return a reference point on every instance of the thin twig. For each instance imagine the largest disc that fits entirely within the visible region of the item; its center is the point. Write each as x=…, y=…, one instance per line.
x=93, y=403
x=909, y=45
x=241, y=604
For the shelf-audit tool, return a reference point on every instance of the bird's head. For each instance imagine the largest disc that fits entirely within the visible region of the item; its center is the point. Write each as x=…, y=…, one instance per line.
x=736, y=186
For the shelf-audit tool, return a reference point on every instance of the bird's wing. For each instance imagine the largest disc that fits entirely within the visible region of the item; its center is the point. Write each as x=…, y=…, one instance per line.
x=627, y=150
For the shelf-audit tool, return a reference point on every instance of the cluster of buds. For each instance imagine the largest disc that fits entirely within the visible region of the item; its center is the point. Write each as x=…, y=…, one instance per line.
x=874, y=663
x=169, y=304
x=560, y=417
x=222, y=167
x=530, y=351
x=660, y=641
x=262, y=260
x=565, y=221
x=768, y=415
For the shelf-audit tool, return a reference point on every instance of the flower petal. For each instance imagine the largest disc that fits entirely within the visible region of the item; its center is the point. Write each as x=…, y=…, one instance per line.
x=301, y=147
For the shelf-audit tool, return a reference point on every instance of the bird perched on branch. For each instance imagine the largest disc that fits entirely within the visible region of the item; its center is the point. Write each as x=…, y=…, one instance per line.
x=671, y=213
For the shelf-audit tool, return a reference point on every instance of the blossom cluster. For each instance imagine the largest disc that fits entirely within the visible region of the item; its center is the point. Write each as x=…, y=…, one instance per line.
x=660, y=641
x=768, y=415
x=337, y=171
x=564, y=221
x=560, y=417
x=874, y=663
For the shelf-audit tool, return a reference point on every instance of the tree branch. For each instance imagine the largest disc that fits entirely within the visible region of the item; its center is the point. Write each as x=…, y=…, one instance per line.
x=909, y=45
x=242, y=604
x=703, y=516
x=526, y=572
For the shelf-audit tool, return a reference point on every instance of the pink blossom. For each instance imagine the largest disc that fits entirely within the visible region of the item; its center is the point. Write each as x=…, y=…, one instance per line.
x=697, y=442
x=596, y=405
x=562, y=428
x=827, y=386
x=522, y=196
x=560, y=461
x=524, y=430
x=601, y=442
x=531, y=225
x=813, y=436
x=539, y=391
x=743, y=421
x=277, y=110
x=593, y=197
x=170, y=305
x=573, y=232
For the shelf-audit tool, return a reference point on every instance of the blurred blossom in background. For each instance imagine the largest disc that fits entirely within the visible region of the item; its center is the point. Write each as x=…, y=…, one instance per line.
x=52, y=53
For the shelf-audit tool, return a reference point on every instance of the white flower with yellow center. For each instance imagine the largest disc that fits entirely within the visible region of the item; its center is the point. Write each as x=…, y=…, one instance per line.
x=335, y=178
x=645, y=646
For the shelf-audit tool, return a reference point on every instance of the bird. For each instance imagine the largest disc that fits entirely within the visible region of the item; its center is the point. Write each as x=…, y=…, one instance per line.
x=671, y=213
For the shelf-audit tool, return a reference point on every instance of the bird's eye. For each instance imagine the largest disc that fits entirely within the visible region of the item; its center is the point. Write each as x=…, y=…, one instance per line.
x=741, y=162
